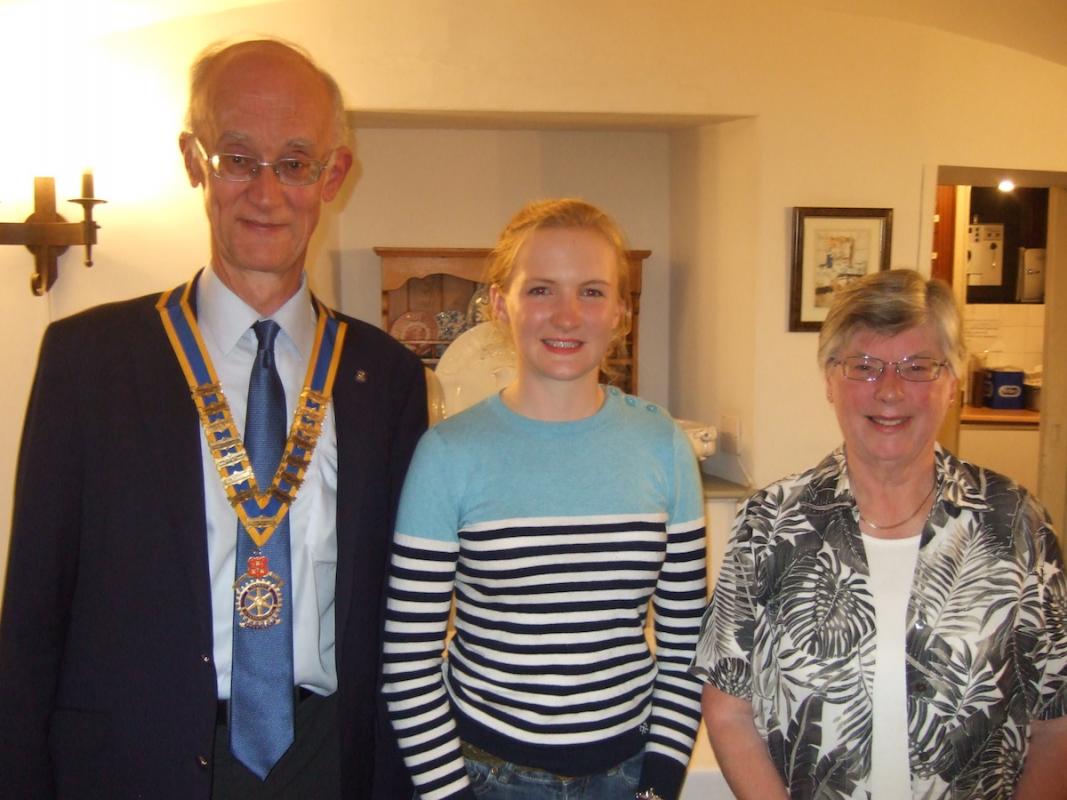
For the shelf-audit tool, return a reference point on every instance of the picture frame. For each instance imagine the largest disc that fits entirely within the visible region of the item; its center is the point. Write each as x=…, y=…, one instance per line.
x=832, y=246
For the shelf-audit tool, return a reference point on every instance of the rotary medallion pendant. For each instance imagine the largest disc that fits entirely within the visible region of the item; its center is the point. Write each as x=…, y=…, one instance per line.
x=258, y=592
x=258, y=595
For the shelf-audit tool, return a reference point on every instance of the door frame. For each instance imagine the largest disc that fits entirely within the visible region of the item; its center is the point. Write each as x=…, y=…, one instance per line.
x=1052, y=470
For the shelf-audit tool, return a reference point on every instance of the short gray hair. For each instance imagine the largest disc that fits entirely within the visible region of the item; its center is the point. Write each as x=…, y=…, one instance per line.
x=203, y=66
x=891, y=302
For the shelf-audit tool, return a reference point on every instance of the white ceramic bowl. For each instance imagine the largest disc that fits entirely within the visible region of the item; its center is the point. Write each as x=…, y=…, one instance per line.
x=702, y=437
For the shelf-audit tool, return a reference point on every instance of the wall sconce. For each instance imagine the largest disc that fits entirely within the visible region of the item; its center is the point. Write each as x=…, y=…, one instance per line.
x=47, y=235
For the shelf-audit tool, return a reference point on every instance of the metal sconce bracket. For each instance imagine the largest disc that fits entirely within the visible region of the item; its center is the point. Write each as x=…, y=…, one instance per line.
x=47, y=235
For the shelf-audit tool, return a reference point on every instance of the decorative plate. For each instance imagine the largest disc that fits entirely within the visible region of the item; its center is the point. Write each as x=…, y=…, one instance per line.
x=450, y=324
x=478, y=307
x=478, y=363
x=417, y=329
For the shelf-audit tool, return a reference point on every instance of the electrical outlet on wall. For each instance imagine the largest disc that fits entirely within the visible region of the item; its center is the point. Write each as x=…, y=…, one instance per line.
x=730, y=435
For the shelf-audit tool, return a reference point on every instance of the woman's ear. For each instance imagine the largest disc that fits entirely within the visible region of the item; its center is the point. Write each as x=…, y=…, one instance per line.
x=623, y=317
x=498, y=303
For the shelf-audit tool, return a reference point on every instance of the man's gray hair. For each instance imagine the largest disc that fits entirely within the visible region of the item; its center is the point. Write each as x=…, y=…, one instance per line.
x=200, y=74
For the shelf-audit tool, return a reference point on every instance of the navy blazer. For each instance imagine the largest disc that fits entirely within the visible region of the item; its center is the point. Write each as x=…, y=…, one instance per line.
x=107, y=680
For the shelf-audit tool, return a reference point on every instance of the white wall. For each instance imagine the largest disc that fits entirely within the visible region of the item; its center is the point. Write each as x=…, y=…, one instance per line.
x=846, y=113
x=1006, y=334
x=838, y=109
x=714, y=191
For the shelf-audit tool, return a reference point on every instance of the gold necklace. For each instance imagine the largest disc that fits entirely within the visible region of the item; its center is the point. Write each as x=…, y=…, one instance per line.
x=908, y=518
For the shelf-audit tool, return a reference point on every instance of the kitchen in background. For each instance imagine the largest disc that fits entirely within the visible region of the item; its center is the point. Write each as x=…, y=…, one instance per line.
x=1004, y=324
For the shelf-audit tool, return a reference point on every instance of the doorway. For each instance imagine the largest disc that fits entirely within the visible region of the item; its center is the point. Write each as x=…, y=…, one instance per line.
x=1051, y=486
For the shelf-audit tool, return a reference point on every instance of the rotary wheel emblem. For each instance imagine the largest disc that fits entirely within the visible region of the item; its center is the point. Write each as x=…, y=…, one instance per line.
x=259, y=601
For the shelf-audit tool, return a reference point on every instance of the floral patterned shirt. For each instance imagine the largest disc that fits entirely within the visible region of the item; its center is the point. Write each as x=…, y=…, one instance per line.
x=791, y=628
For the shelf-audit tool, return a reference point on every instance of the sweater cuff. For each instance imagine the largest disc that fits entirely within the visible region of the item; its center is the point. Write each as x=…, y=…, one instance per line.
x=663, y=775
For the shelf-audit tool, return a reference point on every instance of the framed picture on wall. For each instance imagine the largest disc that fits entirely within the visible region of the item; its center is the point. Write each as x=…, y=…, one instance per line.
x=832, y=246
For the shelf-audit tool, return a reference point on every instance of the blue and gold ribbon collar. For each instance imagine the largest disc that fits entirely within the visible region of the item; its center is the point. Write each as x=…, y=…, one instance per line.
x=260, y=512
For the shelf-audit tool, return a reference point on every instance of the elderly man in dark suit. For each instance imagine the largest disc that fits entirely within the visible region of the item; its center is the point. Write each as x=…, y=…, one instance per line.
x=206, y=490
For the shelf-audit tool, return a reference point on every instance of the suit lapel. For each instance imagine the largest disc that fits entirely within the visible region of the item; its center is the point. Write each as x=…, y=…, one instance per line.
x=171, y=432
x=350, y=408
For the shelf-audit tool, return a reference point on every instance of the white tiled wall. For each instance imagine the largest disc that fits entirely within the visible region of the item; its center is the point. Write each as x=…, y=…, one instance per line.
x=1009, y=335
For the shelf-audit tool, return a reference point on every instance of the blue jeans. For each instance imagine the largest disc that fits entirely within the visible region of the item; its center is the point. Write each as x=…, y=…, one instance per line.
x=511, y=782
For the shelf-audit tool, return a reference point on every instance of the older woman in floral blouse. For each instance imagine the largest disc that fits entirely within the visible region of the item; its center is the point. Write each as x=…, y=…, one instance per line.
x=891, y=623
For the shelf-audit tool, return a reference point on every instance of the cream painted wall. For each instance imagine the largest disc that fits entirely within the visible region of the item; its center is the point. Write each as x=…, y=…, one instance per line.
x=847, y=115
x=841, y=110
x=454, y=188
x=714, y=175
x=22, y=320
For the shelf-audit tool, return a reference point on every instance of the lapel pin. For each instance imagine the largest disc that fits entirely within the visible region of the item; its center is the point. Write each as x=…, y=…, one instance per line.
x=361, y=376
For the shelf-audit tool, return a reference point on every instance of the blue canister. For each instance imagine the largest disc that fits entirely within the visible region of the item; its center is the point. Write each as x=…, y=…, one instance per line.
x=1004, y=388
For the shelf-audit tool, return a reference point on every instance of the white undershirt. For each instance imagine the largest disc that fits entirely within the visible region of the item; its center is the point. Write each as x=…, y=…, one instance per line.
x=225, y=324
x=892, y=565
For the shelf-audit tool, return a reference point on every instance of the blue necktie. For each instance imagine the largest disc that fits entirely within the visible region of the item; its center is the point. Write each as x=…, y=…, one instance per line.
x=261, y=688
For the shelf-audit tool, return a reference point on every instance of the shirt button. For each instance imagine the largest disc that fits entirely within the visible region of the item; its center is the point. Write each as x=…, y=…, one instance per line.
x=921, y=687
x=202, y=761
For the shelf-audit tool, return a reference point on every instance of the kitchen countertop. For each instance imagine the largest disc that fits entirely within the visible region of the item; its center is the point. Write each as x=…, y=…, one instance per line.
x=716, y=488
x=998, y=416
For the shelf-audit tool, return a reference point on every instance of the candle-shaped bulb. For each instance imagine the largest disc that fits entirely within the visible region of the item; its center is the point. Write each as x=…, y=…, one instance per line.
x=87, y=184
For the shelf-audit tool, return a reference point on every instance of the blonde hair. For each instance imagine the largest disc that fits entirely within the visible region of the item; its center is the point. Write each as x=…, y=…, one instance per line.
x=563, y=213
x=214, y=55
x=891, y=302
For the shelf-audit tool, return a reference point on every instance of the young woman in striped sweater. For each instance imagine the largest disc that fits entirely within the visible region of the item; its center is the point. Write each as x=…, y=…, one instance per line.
x=552, y=513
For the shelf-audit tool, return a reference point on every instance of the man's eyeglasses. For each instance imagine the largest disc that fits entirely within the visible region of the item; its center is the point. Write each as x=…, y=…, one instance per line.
x=920, y=369
x=237, y=167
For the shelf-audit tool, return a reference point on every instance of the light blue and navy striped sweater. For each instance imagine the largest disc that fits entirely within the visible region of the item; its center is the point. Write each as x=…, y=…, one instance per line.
x=553, y=536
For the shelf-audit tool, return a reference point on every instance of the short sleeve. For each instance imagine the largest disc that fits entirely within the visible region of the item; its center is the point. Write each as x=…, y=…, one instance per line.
x=724, y=650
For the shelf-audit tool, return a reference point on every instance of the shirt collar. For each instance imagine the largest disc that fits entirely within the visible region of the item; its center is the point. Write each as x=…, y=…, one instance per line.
x=958, y=481
x=225, y=317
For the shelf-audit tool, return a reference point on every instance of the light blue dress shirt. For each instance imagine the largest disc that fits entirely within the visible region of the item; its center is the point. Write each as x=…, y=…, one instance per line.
x=225, y=322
